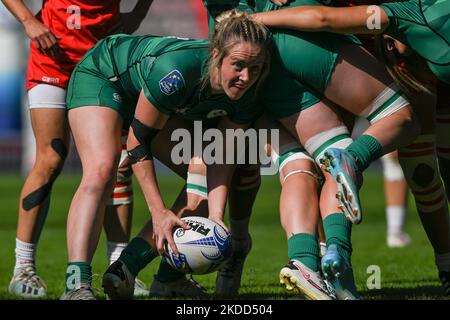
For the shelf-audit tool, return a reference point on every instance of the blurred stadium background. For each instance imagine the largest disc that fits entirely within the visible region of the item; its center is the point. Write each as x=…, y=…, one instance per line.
x=184, y=18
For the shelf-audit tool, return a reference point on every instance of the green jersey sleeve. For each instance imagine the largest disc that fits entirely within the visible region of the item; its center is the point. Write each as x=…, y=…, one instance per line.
x=172, y=79
x=423, y=25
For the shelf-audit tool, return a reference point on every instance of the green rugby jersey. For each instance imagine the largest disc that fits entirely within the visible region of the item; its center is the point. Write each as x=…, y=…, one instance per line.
x=423, y=25
x=169, y=70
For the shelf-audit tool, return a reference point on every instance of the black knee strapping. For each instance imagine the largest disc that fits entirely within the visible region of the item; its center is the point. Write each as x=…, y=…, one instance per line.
x=37, y=197
x=144, y=136
x=60, y=148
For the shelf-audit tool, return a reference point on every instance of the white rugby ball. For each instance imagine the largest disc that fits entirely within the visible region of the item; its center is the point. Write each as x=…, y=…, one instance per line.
x=203, y=248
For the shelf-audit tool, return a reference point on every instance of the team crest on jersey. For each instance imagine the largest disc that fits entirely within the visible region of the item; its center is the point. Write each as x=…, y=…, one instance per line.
x=171, y=83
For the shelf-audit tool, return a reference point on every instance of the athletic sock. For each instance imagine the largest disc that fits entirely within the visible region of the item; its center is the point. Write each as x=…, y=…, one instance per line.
x=137, y=255
x=395, y=216
x=168, y=274
x=114, y=249
x=338, y=231
x=77, y=273
x=304, y=247
x=365, y=150
x=25, y=254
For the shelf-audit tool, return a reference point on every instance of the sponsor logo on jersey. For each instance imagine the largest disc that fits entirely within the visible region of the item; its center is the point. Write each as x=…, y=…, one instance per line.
x=50, y=80
x=216, y=113
x=172, y=82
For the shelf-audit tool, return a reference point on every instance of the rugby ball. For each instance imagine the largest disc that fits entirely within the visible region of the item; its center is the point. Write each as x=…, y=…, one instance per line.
x=203, y=248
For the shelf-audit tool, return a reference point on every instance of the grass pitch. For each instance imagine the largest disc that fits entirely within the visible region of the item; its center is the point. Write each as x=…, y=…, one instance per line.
x=407, y=273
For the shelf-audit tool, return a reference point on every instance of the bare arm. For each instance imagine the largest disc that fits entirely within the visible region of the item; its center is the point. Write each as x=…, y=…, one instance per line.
x=356, y=20
x=41, y=36
x=219, y=176
x=163, y=219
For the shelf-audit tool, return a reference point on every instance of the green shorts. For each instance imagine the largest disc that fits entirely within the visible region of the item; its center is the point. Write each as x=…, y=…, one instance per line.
x=87, y=87
x=282, y=95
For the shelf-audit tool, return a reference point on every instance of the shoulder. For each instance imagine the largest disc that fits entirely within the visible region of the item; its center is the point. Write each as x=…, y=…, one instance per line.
x=174, y=76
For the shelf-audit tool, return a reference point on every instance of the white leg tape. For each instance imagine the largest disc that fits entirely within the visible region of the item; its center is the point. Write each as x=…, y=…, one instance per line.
x=307, y=172
x=338, y=137
x=389, y=101
x=123, y=190
x=196, y=184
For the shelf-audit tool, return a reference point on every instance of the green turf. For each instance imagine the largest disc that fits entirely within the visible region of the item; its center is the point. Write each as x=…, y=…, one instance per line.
x=407, y=273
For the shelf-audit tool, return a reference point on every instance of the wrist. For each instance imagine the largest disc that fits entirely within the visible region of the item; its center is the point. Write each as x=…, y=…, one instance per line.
x=216, y=215
x=26, y=19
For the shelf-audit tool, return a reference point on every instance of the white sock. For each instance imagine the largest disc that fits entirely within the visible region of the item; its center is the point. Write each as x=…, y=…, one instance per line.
x=239, y=228
x=395, y=216
x=114, y=249
x=443, y=261
x=25, y=253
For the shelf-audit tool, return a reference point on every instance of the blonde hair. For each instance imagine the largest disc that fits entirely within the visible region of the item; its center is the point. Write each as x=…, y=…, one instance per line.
x=410, y=72
x=235, y=27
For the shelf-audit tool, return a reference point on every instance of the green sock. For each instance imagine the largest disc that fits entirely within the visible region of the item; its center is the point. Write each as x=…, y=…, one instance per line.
x=77, y=273
x=137, y=255
x=338, y=231
x=304, y=247
x=167, y=274
x=365, y=149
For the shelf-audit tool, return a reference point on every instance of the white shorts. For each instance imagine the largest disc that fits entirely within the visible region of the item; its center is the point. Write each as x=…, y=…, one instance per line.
x=47, y=96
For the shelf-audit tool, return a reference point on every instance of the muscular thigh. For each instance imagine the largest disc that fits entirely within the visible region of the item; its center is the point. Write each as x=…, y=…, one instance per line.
x=318, y=118
x=97, y=134
x=357, y=79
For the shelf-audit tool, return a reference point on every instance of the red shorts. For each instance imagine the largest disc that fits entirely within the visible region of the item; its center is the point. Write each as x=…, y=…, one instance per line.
x=79, y=24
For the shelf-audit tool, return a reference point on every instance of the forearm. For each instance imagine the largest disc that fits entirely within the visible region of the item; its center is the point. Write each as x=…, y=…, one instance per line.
x=19, y=10
x=218, y=177
x=303, y=18
x=146, y=176
x=357, y=20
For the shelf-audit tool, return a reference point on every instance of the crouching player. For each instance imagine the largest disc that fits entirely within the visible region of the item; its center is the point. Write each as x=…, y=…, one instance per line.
x=162, y=77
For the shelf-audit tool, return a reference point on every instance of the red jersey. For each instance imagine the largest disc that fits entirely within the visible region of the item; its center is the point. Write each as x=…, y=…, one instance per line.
x=79, y=24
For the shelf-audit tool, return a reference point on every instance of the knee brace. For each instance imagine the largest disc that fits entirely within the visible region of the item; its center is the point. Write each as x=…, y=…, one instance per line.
x=123, y=190
x=421, y=171
x=290, y=153
x=389, y=101
x=392, y=171
x=196, y=184
x=246, y=177
x=338, y=137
